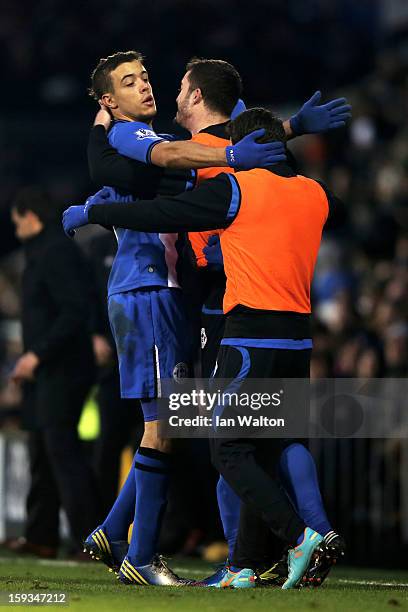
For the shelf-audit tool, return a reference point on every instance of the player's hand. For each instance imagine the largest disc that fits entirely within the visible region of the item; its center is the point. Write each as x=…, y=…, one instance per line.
x=106, y=195
x=213, y=252
x=313, y=119
x=74, y=217
x=238, y=109
x=247, y=153
x=77, y=216
x=102, y=350
x=25, y=367
x=103, y=117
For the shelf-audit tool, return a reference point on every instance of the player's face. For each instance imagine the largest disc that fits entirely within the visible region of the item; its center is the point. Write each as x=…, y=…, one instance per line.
x=24, y=224
x=184, y=102
x=132, y=96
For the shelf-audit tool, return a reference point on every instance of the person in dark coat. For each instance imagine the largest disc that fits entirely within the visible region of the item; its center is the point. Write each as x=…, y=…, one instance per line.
x=56, y=372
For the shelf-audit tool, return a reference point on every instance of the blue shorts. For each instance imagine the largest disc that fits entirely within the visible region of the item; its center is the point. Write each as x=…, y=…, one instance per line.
x=152, y=340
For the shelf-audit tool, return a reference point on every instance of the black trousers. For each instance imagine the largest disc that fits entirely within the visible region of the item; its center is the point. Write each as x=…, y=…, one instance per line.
x=60, y=477
x=256, y=547
x=249, y=465
x=253, y=480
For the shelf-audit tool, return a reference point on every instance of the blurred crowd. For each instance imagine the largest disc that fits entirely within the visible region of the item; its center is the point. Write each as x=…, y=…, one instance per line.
x=329, y=43
x=361, y=281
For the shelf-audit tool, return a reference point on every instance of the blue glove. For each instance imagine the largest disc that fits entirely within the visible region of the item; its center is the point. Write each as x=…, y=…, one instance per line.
x=74, y=217
x=312, y=119
x=247, y=153
x=213, y=252
x=77, y=216
x=106, y=195
x=238, y=109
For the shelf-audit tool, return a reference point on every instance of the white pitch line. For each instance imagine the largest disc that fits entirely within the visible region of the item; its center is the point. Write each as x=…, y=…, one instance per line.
x=182, y=570
x=67, y=563
x=60, y=563
x=371, y=583
x=50, y=563
x=332, y=580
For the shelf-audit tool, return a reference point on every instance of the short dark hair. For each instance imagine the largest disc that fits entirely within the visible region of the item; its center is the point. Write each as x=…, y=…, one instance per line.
x=36, y=199
x=101, y=76
x=219, y=81
x=255, y=119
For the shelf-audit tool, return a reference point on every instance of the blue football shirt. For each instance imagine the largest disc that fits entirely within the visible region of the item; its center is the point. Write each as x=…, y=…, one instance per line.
x=142, y=259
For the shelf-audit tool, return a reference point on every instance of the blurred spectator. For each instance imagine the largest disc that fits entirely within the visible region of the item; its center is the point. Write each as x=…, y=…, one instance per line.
x=56, y=371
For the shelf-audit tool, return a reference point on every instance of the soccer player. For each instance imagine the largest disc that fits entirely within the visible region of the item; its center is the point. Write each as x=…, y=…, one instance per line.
x=277, y=206
x=201, y=111
x=146, y=312
x=207, y=92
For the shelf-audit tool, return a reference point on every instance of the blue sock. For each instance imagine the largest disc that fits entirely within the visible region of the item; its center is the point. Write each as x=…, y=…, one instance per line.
x=229, y=505
x=299, y=477
x=152, y=479
x=120, y=517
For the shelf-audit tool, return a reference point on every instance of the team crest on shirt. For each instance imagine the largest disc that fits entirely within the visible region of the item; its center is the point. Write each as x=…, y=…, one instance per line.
x=142, y=133
x=180, y=371
x=203, y=338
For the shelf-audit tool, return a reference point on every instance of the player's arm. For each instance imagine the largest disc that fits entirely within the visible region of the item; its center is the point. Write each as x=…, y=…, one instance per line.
x=198, y=241
x=206, y=248
x=337, y=216
x=213, y=205
x=187, y=154
x=107, y=167
x=140, y=142
x=311, y=118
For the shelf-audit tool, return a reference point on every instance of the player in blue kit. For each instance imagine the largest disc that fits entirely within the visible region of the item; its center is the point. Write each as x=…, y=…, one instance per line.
x=146, y=312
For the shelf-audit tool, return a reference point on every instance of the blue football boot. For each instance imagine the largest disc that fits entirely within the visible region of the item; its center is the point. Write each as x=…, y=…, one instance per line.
x=300, y=557
x=242, y=579
x=101, y=548
x=215, y=578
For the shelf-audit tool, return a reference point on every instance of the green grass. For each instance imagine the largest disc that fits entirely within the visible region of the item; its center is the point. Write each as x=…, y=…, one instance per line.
x=91, y=587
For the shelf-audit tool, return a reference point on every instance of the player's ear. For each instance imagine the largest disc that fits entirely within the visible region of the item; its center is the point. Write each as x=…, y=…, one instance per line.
x=108, y=100
x=196, y=96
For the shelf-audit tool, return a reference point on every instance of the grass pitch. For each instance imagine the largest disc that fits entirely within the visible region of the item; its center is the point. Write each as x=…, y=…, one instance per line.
x=90, y=587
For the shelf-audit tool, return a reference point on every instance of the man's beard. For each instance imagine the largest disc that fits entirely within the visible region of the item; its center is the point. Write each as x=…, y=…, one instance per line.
x=181, y=117
x=177, y=120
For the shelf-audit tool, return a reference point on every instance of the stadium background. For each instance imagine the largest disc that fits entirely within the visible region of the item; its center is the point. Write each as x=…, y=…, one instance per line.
x=284, y=51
